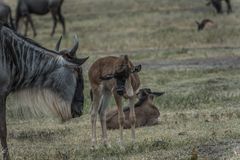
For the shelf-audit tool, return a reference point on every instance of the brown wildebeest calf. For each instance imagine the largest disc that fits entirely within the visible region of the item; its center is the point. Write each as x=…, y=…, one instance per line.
x=117, y=76
x=146, y=112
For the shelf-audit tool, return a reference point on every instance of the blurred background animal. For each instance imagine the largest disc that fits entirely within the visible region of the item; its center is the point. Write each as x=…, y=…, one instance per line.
x=217, y=4
x=147, y=114
x=39, y=7
x=6, y=14
x=204, y=23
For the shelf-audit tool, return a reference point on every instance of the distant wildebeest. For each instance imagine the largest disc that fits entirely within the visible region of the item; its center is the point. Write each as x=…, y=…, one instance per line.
x=147, y=113
x=78, y=102
x=201, y=25
x=6, y=14
x=40, y=7
x=217, y=4
x=44, y=78
x=117, y=76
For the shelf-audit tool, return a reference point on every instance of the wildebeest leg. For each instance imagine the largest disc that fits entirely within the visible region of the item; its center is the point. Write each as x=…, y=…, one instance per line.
x=121, y=116
x=54, y=17
x=217, y=4
x=17, y=21
x=132, y=117
x=102, y=114
x=26, y=27
x=229, y=6
x=62, y=20
x=94, y=110
x=29, y=18
x=3, y=128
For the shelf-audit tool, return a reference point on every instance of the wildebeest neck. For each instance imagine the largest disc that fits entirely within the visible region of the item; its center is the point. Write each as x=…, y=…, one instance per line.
x=29, y=63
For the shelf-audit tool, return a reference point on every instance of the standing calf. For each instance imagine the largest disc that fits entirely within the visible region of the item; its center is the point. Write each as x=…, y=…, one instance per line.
x=40, y=7
x=117, y=76
x=147, y=113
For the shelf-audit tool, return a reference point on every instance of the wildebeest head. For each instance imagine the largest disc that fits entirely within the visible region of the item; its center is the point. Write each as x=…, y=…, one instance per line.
x=121, y=74
x=146, y=94
x=70, y=55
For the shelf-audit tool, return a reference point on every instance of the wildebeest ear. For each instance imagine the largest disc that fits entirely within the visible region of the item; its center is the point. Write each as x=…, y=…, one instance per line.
x=158, y=93
x=124, y=57
x=136, y=68
x=77, y=61
x=107, y=77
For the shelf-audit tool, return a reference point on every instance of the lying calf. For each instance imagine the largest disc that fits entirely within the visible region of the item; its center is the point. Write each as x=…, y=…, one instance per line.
x=146, y=112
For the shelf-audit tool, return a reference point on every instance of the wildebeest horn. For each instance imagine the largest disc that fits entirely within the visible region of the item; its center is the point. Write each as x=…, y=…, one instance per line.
x=58, y=44
x=75, y=47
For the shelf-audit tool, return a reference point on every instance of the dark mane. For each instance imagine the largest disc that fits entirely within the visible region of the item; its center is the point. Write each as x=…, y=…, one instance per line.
x=27, y=39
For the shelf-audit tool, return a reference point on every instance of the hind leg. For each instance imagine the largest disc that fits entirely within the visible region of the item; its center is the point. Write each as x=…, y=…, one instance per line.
x=54, y=17
x=62, y=20
x=26, y=28
x=29, y=19
x=102, y=114
x=95, y=104
x=3, y=128
x=229, y=6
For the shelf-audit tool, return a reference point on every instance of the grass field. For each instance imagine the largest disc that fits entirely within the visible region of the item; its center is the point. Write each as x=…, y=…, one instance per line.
x=199, y=71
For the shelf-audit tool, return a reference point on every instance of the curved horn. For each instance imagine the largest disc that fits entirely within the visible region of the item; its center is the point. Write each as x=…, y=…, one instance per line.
x=75, y=46
x=58, y=44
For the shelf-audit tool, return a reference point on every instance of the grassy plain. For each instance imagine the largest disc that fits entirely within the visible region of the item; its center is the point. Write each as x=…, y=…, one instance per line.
x=199, y=72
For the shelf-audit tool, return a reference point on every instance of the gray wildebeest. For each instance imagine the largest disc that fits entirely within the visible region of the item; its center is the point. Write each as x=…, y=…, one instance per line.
x=217, y=4
x=45, y=79
x=78, y=102
x=147, y=113
x=6, y=14
x=117, y=76
x=40, y=7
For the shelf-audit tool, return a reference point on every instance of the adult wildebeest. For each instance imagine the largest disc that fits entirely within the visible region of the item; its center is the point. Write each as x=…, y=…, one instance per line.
x=40, y=7
x=78, y=102
x=6, y=14
x=47, y=78
x=117, y=76
x=147, y=113
x=217, y=4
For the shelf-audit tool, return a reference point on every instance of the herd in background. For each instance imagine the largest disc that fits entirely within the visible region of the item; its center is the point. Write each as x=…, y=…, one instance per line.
x=25, y=8
x=217, y=4
x=60, y=73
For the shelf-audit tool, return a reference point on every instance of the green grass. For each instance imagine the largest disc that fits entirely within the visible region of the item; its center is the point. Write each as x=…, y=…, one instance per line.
x=200, y=108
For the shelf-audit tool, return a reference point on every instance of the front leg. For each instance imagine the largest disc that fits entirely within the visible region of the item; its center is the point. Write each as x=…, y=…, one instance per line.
x=3, y=128
x=121, y=117
x=132, y=117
